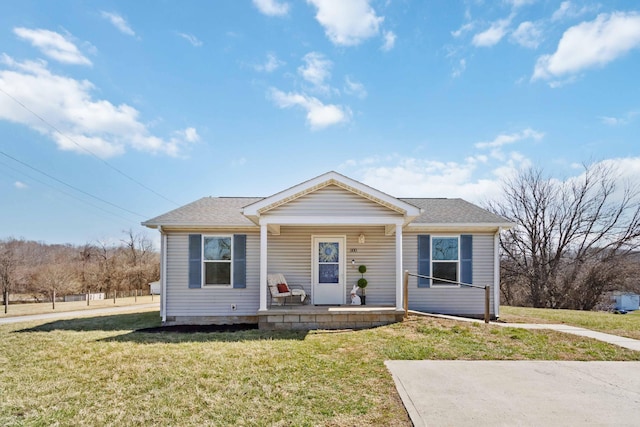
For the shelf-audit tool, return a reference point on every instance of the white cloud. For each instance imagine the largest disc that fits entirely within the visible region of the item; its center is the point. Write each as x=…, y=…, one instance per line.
x=590, y=44
x=316, y=70
x=493, y=34
x=189, y=134
x=119, y=22
x=562, y=11
x=272, y=7
x=20, y=185
x=319, y=115
x=191, y=39
x=414, y=177
x=519, y=3
x=612, y=121
x=463, y=29
x=459, y=69
x=355, y=88
x=53, y=45
x=528, y=34
x=347, y=23
x=567, y=9
x=80, y=121
x=504, y=139
x=271, y=64
x=475, y=178
x=619, y=121
x=239, y=162
x=389, y=41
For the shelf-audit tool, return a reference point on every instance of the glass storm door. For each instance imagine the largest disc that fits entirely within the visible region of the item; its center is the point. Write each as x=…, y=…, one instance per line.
x=328, y=270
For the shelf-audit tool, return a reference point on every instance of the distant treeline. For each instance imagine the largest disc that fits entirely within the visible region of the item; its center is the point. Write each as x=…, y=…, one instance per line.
x=41, y=271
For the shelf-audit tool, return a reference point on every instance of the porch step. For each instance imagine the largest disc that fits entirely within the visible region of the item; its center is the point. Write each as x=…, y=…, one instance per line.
x=312, y=317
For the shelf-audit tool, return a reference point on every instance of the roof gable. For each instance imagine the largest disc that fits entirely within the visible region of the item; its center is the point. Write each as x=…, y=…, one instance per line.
x=267, y=204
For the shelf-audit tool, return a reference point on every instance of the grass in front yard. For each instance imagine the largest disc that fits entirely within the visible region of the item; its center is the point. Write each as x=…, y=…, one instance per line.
x=99, y=371
x=625, y=325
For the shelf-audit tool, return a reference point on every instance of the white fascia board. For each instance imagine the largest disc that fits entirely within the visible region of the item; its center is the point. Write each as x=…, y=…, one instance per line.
x=487, y=227
x=330, y=220
x=205, y=228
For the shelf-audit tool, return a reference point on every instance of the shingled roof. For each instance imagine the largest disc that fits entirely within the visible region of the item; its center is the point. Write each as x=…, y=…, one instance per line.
x=208, y=211
x=227, y=212
x=452, y=211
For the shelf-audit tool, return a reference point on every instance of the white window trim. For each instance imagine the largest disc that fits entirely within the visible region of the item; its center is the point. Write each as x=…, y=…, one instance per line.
x=204, y=261
x=431, y=251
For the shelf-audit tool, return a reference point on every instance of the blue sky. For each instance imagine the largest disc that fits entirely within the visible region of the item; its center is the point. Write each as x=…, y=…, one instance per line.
x=112, y=112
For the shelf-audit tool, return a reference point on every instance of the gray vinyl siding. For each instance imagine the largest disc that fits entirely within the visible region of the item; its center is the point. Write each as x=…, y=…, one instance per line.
x=451, y=300
x=290, y=254
x=209, y=301
x=332, y=201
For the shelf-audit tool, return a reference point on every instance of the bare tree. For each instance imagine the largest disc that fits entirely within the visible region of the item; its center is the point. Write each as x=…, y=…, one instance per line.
x=33, y=270
x=55, y=279
x=107, y=269
x=85, y=268
x=8, y=264
x=570, y=238
x=140, y=261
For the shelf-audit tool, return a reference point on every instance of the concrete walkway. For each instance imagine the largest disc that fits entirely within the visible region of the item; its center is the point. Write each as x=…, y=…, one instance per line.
x=80, y=313
x=630, y=343
x=518, y=393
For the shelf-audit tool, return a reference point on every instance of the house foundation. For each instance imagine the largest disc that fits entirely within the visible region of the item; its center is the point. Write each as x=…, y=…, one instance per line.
x=335, y=317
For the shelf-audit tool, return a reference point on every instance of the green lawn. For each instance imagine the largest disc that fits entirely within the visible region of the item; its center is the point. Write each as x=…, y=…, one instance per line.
x=627, y=325
x=99, y=371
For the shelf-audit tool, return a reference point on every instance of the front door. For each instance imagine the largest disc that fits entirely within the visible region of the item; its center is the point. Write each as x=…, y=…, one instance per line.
x=328, y=270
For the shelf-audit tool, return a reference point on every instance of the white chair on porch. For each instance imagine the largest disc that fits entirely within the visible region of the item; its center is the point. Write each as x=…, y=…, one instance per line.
x=280, y=290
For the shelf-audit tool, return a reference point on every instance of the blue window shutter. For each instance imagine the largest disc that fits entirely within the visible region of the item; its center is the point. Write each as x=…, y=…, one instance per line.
x=466, y=258
x=239, y=260
x=424, y=260
x=195, y=260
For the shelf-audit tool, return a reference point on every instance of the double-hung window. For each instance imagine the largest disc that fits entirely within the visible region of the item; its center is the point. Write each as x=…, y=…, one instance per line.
x=445, y=260
x=217, y=260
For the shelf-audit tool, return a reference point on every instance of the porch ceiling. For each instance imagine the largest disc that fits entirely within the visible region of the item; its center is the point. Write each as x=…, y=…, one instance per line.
x=274, y=223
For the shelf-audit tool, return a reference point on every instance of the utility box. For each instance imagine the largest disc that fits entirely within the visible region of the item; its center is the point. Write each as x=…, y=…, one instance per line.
x=154, y=288
x=626, y=301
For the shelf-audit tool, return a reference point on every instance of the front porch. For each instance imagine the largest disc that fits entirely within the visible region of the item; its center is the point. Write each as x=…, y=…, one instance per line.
x=305, y=317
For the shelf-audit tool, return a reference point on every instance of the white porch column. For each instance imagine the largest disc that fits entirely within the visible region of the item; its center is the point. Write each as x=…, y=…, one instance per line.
x=163, y=274
x=263, y=266
x=399, y=274
x=496, y=272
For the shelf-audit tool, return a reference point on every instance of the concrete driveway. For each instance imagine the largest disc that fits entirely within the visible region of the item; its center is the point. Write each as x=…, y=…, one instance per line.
x=519, y=393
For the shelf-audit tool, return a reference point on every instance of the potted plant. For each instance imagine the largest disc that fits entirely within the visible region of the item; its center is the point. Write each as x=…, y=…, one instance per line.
x=362, y=282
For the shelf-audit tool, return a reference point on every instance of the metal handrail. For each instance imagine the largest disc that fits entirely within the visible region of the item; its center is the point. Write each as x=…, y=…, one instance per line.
x=471, y=285
x=487, y=292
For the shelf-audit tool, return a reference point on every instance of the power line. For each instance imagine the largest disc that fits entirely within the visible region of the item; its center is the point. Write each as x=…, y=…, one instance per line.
x=71, y=186
x=65, y=192
x=87, y=150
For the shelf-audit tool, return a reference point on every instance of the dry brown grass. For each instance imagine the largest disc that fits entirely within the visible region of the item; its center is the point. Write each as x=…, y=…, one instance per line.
x=626, y=325
x=46, y=307
x=99, y=371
